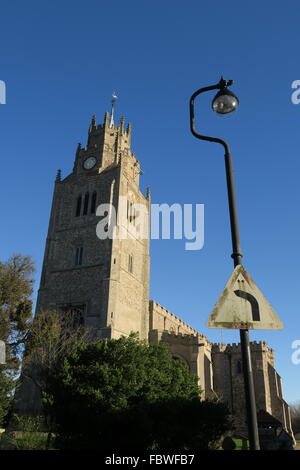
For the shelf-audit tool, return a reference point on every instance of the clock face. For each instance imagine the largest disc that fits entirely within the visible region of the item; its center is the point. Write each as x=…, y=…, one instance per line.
x=89, y=163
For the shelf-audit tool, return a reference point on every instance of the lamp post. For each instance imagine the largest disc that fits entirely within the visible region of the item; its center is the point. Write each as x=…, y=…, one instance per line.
x=226, y=102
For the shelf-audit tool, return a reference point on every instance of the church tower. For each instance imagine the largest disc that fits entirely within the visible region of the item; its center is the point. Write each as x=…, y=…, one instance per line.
x=103, y=281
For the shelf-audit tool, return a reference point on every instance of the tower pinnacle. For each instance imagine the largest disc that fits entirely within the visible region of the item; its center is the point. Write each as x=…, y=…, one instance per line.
x=114, y=97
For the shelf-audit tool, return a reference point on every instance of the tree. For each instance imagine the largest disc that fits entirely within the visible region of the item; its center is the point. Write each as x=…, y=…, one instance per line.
x=295, y=416
x=6, y=390
x=16, y=287
x=123, y=393
x=51, y=336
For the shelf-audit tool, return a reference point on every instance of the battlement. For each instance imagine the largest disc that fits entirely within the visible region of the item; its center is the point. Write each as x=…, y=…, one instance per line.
x=107, y=130
x=182, y=338
x=236, y=347
x=164, y=320
x=109, y=123
x=108, y=144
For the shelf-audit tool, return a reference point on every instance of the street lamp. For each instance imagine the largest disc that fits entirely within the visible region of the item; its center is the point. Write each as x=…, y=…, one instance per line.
x=226, y=102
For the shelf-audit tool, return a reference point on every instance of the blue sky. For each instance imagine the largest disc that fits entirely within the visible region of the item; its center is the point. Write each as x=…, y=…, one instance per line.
x=62, y=60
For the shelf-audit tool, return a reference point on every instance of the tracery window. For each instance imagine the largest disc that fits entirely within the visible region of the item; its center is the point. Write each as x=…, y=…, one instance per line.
x=86, y=203
x=93, y=202
x=78, y=206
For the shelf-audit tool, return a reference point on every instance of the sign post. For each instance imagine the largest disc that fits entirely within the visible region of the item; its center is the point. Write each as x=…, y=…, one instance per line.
x=226, y=102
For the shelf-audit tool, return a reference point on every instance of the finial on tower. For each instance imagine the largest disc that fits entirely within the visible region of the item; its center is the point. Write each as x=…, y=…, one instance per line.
x=93, y=124
x=114, y=97
x=58, y=176
x=121, y=127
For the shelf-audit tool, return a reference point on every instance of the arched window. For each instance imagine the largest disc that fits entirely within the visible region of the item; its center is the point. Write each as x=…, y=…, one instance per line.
x=78, y=256
x=86, y=203
x=130, y=263
x=74, y=314
x=78, y=206
x=93, y=203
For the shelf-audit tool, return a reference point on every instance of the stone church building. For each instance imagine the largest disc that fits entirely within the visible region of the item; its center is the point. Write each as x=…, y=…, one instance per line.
x=105, y=282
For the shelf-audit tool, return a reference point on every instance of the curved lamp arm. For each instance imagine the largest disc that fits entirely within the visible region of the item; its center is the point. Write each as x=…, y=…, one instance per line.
x=235, y=236
x=222, y=84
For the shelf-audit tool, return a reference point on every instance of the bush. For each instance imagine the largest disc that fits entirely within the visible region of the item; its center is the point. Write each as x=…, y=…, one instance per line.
x=29, y=434
x=126, y=394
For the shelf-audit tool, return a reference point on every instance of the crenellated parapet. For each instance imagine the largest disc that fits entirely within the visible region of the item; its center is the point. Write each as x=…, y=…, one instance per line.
x=164, y=320
x=109, y=145
x=185, y=338
x=256, y=346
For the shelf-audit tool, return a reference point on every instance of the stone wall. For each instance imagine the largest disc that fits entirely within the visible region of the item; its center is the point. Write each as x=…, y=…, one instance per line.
x=162, y=319
x=229, y=382
x=184, y=342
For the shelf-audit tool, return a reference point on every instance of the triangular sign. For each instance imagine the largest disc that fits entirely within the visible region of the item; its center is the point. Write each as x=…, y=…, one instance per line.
x=243, y=306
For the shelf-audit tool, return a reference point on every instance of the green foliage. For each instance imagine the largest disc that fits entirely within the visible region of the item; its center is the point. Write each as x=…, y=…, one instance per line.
x=126, y=394
x=16, y=286
x=239, y=444
x=29, y=434
x=6, y=388
x=188, y=424
x=116, y=373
